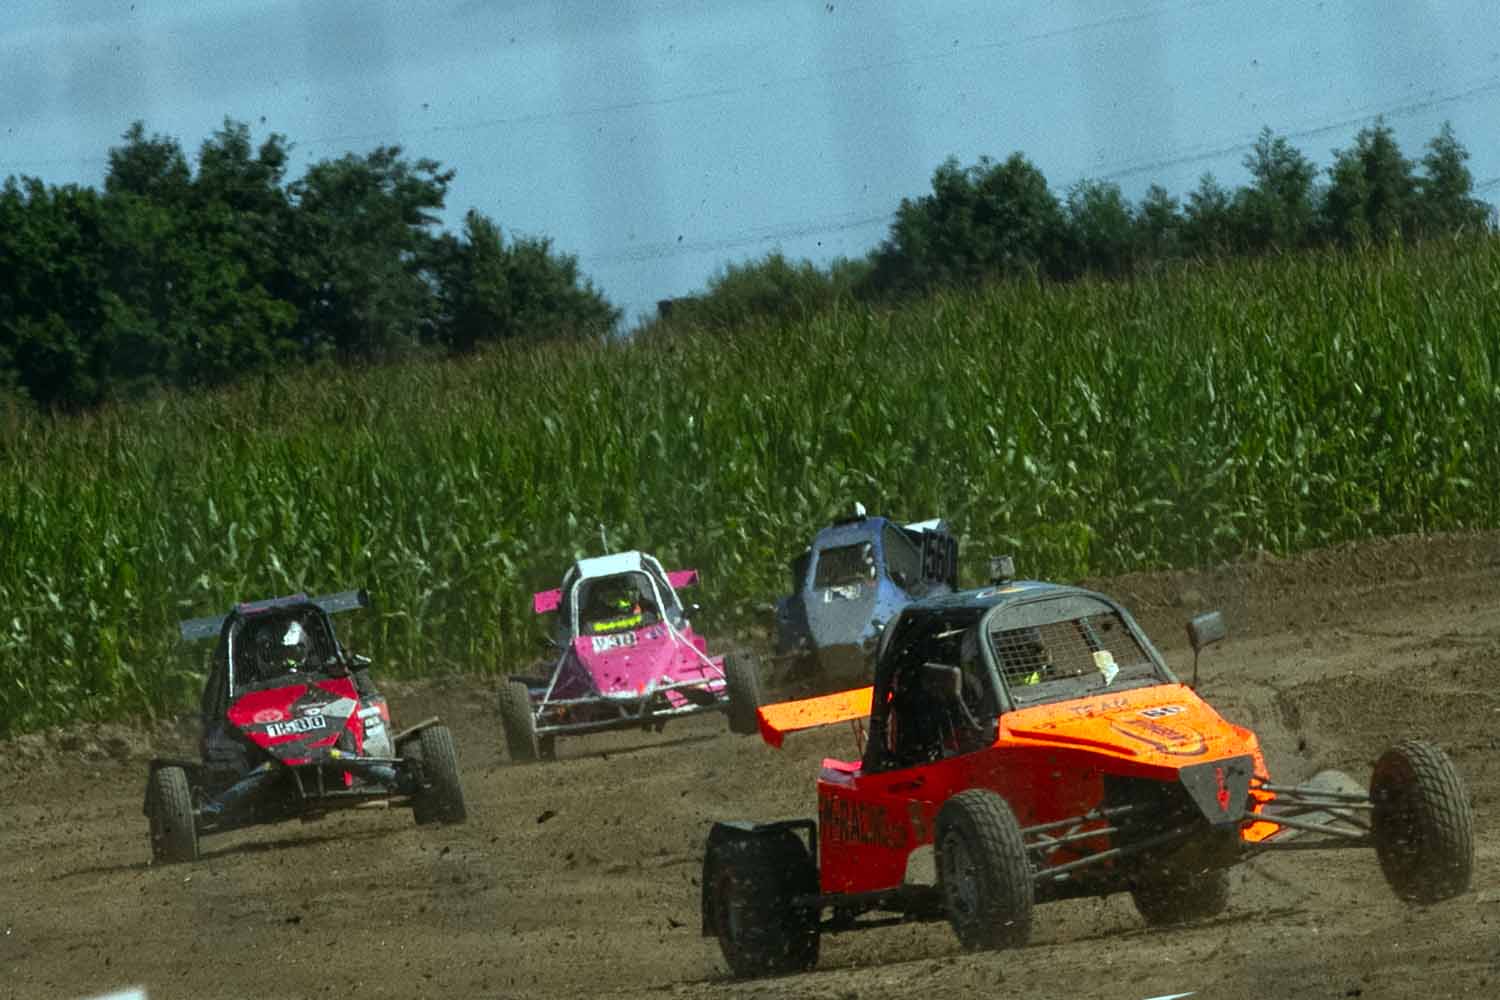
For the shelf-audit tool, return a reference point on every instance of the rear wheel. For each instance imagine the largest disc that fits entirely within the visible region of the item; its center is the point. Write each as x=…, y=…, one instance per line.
x=1423, y=825
x=174, y=834
x=1172, y=898
x=742, y=685
x=753, y=881
x=441, y=799
x=519, y=723
x=983, y=871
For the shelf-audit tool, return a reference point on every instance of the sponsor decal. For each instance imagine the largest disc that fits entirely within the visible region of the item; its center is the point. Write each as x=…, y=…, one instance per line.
x=1162, y=737
x=1162, y=711
x=850, y=821
x=291, y=727
x=266, y=715
x=1103, y=705
x=1222, y=795
x=604, y=643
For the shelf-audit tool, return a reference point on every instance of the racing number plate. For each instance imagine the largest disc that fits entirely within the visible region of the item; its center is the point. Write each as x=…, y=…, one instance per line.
x=306, y=724
x=603, y=643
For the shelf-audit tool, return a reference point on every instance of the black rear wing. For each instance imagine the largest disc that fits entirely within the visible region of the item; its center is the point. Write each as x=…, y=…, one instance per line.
x=207, y=628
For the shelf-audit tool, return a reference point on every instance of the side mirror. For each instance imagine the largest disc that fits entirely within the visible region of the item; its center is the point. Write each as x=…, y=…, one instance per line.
x=1204, y=630
x=900, y=579
x=360, y=662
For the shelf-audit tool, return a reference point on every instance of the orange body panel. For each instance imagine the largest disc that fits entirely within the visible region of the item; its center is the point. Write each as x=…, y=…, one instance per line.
x=1048, y=761
x=776, y=721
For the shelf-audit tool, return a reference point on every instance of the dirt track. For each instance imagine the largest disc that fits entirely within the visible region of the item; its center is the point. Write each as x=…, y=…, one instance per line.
x=580, y=878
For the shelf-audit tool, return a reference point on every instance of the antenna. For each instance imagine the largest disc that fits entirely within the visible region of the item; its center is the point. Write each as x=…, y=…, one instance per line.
x=603, y=539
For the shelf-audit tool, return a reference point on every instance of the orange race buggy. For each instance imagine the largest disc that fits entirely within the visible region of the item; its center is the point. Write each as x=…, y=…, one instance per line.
x=1027, y=743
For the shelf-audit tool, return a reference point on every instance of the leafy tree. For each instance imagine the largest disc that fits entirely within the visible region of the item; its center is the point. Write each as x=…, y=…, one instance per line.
x=53, y=299
x=364, y=242
x=1372, y=190
x=491, y=292
x=985, y=221
x=1209, y=221
x=1102, y=229
x=771, y=288
x=152, y=167
x=1159, y=225
x=1445, y=191
x=1279, y=209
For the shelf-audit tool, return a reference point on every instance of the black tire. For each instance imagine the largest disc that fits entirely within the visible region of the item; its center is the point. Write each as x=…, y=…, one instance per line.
x=742, y=686
x=1180, y=898
x=983, y=871
x=1422, y=822
x=174, y=833
x=519, y=723
x=752, y=882
x=441, y=797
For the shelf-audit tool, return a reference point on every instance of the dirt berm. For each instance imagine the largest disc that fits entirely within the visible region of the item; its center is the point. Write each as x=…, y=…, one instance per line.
x=580, y=878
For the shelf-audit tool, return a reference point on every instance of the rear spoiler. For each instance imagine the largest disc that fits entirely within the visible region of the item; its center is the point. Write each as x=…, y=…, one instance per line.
x=544, y=601
x=777, y=720
x=205, y=628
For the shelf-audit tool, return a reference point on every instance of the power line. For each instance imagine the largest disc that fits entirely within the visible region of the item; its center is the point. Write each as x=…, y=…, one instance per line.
x=1363, y=116
x=691, y=96
x=678, y=248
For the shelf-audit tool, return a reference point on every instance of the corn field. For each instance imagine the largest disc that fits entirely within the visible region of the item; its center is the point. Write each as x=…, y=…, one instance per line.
x=1278, y=404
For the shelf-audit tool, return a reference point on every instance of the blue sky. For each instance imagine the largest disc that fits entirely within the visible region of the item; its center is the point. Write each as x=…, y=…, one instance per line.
x=659, y=140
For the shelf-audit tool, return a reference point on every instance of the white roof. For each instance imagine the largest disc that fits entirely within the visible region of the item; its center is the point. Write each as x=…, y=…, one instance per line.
x=620, y=562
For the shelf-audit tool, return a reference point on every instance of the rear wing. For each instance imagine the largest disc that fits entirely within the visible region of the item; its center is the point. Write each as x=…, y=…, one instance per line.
x=206, y=628
x=544, y=601
x=777, y=720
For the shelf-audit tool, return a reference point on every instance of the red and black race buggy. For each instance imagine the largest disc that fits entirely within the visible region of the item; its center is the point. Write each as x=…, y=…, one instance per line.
x=293, y=728
x=1027, y=743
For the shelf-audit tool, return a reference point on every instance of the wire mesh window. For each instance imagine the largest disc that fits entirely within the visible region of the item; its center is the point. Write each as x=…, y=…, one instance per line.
x=845, y=565
x=1078, y=647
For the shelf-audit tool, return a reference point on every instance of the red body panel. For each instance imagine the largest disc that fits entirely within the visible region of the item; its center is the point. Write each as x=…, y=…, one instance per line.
x=1048, y=762
x=294, y=721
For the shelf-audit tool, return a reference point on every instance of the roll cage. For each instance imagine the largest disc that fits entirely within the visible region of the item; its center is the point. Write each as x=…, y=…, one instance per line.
x=990, y=681
x=225, y=679
x=587, y=572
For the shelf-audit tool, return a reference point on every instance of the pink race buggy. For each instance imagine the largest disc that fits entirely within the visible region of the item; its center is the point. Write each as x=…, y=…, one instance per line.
x=627, y=658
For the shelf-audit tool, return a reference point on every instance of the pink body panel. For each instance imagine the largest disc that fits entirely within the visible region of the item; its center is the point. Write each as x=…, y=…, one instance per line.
x=680, y=578
x=545, y=601
x=645, y=658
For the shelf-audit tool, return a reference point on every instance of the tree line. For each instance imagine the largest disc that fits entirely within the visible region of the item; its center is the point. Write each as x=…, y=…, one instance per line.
x=175, y=277
x=1000, y=220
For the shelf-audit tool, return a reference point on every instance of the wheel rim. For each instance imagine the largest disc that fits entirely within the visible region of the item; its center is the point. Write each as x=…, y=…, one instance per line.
x=960, y=875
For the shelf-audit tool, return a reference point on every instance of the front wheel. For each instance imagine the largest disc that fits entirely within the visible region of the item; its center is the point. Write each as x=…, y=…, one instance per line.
x=174, y=833
x=983, y=871
x=441, y=797
x=519, y=723
x=1422, y=822
x=753, y=881
x=1174, y=897
x=742, y=686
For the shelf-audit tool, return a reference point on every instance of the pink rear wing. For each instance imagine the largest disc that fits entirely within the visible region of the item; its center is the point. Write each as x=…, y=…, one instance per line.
x=680, y=578
x=545, y=601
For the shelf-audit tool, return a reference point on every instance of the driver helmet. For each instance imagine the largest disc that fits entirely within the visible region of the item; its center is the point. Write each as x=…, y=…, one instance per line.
x=296, y=644
x=618, y=596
